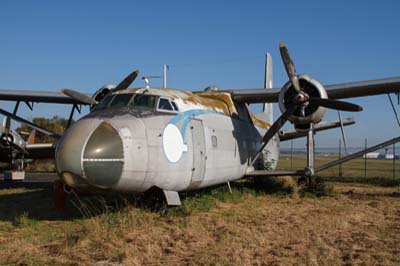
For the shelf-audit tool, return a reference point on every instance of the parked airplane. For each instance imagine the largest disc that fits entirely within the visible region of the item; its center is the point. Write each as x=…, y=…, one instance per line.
x=13, y=147
x=135, y=140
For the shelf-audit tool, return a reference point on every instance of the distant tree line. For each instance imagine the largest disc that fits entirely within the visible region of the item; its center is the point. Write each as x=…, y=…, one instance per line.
x=55, y=124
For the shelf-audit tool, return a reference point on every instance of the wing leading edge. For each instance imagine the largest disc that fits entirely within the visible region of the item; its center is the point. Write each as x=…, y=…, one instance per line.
x=37, y=96
x=334, y=91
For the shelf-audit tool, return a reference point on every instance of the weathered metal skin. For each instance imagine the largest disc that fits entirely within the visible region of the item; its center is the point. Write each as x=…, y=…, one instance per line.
x=132, y=132
x=204, y=144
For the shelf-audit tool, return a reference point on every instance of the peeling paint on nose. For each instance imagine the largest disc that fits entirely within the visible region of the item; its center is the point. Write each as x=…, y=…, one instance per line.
x=103, y=157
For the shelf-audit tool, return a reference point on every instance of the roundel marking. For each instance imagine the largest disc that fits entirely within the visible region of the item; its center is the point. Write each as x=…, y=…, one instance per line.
x=173, y=143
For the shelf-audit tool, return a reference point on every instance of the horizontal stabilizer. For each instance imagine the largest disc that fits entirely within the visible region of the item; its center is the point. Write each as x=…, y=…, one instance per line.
x=293, y=134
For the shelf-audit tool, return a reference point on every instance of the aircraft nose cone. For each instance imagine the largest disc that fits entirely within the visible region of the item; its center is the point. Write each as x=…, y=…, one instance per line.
x=70, y=149
x=103, y=157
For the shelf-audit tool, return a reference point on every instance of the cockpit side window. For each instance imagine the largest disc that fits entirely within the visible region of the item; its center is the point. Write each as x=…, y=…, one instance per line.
x=174, y=105
x=143, y=101
x=166, y=105
x=121, y=100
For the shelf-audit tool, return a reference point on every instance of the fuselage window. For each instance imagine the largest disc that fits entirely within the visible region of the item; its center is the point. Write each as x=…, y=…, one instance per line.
x=142, y=101
x=121, y=100
x=166, y=105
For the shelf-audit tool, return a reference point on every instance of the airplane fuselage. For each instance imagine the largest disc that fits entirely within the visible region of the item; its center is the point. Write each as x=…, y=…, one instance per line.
x=163, y=138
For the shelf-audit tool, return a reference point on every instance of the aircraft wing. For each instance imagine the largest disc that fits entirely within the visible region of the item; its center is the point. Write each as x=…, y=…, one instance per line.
x=37, y=96
x=334, y=91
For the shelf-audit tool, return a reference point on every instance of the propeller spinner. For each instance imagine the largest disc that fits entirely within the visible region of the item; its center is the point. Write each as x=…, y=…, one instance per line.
x=300, y=95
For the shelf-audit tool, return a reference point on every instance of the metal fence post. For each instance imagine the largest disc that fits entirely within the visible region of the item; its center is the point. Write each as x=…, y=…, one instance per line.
x=340, y=156
x=365, y=160
x=394, y=160
x=291, y=154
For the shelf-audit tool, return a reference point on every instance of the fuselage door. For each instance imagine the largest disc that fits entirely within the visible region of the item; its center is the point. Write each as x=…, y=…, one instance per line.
x=199, y=152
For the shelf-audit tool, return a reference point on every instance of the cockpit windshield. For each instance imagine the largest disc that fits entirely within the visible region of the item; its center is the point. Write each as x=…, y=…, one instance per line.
x=140, y=101
x=144, y=101
x=121, y=100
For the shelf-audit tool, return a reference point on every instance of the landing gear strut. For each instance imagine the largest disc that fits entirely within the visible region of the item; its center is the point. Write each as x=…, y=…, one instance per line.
x=60, y=196
x=309, y=169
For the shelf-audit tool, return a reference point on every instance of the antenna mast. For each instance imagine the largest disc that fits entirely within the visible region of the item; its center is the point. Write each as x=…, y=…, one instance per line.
x=165, y=76
x=147, y=80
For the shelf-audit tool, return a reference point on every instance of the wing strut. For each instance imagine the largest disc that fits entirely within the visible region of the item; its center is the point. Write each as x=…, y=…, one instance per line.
x=260, y=173
x=358, y=154
x=394, y=109
x=71, y=115
x=30, y=124
x=343, y=135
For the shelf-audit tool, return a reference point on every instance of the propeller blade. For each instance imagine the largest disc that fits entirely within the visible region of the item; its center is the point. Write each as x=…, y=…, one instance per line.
x=276, y=126
x=79, y=96
x=289, y=66
x=127, y=81
x=335, y=104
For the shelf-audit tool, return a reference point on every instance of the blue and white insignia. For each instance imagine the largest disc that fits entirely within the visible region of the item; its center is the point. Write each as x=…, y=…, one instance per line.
x=173, y=143
x=173, y=137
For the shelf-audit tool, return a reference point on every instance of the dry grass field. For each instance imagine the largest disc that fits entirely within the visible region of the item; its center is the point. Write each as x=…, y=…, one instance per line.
x=356, y=223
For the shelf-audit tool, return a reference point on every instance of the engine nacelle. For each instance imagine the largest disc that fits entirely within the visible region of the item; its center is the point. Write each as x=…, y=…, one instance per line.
x=312, y=114
x=102, y=92
x=7, y=139
x=12, y=138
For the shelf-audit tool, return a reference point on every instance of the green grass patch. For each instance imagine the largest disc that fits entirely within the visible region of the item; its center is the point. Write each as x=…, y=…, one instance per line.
x=23, y=220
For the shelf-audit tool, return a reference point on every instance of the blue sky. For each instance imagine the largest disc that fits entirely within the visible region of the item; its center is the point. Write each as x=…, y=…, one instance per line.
x=47, y=45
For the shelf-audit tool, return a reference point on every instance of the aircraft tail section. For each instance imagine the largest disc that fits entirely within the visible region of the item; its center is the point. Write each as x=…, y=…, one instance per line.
x=268, y=83
x=31, y=138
